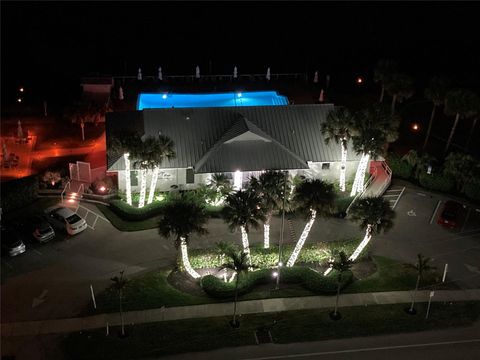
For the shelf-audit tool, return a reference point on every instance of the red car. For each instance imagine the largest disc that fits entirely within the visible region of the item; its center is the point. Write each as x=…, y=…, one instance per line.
x=450, y=214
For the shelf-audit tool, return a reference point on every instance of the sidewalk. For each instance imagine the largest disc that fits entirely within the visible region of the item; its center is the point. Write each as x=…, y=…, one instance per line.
x=225, y=309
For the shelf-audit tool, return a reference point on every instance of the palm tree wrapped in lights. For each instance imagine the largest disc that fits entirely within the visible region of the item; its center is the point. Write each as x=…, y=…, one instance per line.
x=122, y=144
x=338, y=128
x=270, y=186
x=243, y=210
x=374, y=127
x=374, y=215
x=313, y=197
x=181, y=217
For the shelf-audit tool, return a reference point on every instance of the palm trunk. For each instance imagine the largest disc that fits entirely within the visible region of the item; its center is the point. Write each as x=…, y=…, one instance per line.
x=429, y=127
x=301, y=240
x=451, y=133
x=343, y=166
x=122, y=322
x=471, y=132
x=338, y=294
x=266, y=232
x=414, y=293
x=185, y=261
x=128, y=182
x=246, y=245
x=382, y=93
x=363, y=244
x=153, y=185
x=234, y=320
x=360, y=175
x=143, y=188
x=394, y=100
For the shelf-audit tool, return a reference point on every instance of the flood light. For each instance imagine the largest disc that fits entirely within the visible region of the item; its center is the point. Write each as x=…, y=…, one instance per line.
x=164, y=96
x=239, y=95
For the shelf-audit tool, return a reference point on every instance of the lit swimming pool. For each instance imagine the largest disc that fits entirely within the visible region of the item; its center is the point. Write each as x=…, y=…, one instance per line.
x=168, y=100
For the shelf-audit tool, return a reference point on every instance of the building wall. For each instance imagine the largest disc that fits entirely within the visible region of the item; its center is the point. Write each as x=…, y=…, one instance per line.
x=178, y=177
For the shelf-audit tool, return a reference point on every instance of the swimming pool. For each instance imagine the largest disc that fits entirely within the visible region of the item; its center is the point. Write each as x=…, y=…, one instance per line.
x=169, y=100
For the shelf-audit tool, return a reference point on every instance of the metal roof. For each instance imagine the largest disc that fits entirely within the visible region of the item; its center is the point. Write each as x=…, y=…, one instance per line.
x=272, y=137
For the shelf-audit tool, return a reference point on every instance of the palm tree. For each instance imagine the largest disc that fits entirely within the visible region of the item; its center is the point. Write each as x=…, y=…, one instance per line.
x=418, y=163
x=461, y=167
x=162, y=149
x=183, y=216
x=122, y=143
x=436, y=92
x=422, y=266
x=222, y=249
x=374, y=215
x=244, y=210
x=338, y=127
x=341, y=264
x=312, y=197
x=220, y=183
x=475, y=119
x=239, y=263
x=270, y=186
x=373, y=128
x=400, y=87
x=382, y=73
x=119, y=284
x=463, y=104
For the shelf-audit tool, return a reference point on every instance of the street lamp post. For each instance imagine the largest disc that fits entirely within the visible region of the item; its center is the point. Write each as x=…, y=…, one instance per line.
x=280, y=243
x=82, y=125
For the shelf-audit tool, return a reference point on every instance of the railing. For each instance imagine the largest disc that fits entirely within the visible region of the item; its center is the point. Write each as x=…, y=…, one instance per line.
x=65, y=189
x=388, y=171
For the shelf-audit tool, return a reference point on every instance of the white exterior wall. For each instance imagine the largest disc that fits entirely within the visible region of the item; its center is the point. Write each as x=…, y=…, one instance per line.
x=177, y=177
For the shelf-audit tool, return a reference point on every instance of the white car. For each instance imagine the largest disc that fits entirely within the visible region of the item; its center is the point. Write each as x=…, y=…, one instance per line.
x=65, y=217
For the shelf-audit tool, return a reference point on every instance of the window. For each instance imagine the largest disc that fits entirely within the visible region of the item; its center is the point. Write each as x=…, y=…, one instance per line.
x=190, y=176
x=325, y=166
x=134, y=178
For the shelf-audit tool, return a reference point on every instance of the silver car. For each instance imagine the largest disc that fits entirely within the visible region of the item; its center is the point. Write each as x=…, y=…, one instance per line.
x=12, y=242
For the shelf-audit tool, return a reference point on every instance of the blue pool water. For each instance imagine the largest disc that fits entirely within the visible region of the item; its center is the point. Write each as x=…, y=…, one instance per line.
x=168, y=100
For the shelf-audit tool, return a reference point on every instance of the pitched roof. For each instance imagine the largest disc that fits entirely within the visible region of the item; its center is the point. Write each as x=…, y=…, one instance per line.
x=258, y=137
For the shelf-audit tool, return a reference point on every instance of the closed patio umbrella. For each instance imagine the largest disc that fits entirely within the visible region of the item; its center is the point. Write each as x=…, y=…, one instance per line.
x=120, y=93
x=268, y=74
x=235, y=72
x=315, y=78
x=197, y=72
x=139, y=76
x=160, y=75
x=321, y=98
x=19, y=130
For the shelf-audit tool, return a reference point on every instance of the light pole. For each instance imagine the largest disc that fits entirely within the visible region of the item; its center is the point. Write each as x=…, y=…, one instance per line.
x=277, y=285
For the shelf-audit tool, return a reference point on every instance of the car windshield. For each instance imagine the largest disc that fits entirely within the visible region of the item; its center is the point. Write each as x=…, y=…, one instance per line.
x=73, y=219
x=448, y=215
x=44, y=230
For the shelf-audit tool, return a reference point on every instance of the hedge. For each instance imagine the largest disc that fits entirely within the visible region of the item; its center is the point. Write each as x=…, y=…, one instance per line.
x=130, y=213
x=18, y=193
x=472, y=190
x=437, y=182
x=308, y=278
x=399, y=167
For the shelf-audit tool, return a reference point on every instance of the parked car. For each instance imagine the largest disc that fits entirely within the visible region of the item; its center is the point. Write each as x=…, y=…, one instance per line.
x=67, y=219
x=39, y=227
x=12, y=242
x=449, y=217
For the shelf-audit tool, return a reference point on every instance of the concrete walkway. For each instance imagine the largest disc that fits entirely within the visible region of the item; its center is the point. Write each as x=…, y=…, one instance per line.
x=225, y=309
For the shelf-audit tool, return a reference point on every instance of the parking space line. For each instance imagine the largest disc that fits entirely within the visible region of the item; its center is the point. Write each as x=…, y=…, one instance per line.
x=435, y=211
x=399, y=196
x=38, y=252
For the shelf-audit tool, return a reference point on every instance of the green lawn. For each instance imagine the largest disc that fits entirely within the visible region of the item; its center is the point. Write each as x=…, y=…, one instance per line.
x=152, y=290
x=157, y=339
x=124, y=225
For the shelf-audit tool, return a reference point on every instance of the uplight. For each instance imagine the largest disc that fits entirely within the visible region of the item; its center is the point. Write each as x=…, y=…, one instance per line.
x=164, y=96
x=239, y=95
x=102, y=189
x=21, y=89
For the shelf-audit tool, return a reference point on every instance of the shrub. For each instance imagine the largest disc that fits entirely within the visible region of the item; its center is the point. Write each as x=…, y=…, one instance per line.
x=18, y=193
x=400, y=168
x=439, y=182
x=472, y=190
x=308, y=278
x=130, y=213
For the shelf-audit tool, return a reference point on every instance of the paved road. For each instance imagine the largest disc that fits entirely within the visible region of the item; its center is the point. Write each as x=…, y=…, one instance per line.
x=53, y=280
x=458, y=344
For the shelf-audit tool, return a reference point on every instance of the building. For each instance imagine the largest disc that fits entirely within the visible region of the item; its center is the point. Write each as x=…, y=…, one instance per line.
x=237, y=141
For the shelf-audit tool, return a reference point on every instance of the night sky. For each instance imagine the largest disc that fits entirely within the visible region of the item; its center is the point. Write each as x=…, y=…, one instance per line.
x=50, y=45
